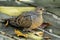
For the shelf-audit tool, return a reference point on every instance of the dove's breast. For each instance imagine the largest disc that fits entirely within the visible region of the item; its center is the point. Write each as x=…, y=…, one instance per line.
x=36, y=21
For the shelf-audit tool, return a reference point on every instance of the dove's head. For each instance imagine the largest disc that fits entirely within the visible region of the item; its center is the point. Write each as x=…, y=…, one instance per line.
x=39, y=10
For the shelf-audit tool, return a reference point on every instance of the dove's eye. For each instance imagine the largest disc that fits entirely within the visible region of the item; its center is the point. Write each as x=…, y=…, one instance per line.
x=41, y=9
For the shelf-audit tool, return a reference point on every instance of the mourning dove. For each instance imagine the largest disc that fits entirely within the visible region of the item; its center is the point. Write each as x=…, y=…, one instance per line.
x=29, y=20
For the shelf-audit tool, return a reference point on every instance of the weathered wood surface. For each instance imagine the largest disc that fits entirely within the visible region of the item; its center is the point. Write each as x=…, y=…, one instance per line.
x=47, y=18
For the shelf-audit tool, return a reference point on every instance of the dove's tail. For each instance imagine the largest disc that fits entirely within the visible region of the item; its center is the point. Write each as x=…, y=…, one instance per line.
x=4, y=21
